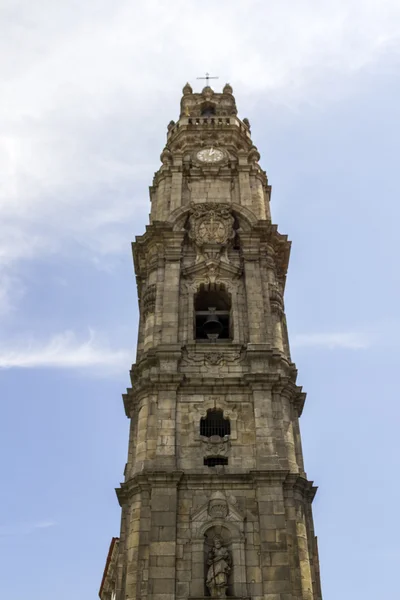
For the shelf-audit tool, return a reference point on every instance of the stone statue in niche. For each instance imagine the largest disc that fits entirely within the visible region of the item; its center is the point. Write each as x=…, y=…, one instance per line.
x=219, y=565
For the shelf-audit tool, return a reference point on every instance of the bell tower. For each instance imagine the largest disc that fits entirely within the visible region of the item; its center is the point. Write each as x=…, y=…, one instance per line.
x=215, y=501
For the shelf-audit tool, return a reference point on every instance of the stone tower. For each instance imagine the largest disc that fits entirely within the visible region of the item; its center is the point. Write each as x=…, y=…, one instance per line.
x=215, y=501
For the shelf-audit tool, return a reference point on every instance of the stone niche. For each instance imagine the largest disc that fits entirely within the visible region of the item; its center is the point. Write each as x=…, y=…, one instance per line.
x=218, y=550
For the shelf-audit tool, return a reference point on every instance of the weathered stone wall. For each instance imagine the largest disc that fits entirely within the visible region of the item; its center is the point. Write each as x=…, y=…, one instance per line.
x=211, y=230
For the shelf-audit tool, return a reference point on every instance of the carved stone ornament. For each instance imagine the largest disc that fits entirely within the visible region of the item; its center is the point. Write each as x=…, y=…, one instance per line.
x=218, y=506
x=211, y=229
x=149, y=299
x=214, y=358
x=216, y=445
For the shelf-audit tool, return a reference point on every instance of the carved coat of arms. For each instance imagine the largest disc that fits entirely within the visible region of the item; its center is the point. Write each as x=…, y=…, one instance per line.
x=211, y=229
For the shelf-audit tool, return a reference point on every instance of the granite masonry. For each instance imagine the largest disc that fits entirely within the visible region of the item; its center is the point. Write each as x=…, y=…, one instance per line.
x=215, y=501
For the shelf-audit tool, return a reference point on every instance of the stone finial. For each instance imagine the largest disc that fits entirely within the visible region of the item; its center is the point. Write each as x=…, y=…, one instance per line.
x=166, y=156
x=187, y=90
x=247, y=123
x=207, y=91
x=227, y=89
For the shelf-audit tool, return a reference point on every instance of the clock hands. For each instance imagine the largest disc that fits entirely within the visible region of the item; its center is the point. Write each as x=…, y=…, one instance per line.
x=210, y=155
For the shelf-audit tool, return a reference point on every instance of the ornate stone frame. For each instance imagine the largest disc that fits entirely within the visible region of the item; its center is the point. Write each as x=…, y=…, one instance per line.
x=200, y=412
x=200, y=163
x=201, y=522
x=232, y=287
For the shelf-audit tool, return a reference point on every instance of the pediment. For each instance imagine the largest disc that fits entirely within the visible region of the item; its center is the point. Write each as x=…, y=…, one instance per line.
x=217, y=508
x=211, y=269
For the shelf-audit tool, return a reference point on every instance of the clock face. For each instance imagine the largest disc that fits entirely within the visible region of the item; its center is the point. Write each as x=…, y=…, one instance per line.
x=210, y=155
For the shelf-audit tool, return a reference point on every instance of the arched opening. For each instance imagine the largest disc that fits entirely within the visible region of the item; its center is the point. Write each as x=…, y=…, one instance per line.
x=215, y=424
x=208, y=110
x=212, y=309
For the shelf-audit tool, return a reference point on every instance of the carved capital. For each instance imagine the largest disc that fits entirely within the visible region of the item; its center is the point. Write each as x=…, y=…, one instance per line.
x=276, y=299
x=149, y=299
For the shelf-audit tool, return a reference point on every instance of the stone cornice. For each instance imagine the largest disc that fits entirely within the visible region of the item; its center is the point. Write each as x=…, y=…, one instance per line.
x=159, y=241
x=264, y=236
x=292, y=483
x=269, y=370
x=146, y=480
x=300, y=487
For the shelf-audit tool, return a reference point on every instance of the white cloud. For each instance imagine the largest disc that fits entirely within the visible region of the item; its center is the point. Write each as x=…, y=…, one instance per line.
x=88, y=89
x=331, y=341
x=18, y=529
x=65, y=351
x=11, y=290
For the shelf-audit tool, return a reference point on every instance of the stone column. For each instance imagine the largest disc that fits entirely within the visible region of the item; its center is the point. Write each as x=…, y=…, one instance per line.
x=160, y=212
x=166, y=425
x=266, y=453
x=297, y=490
x=162, y=547
x=265, y=269
x=254, y=297
x=138, y=528
x=170, y=314
x=197, y=584
x=274, y=560
x=239, y=568
x=176, y=185
x=236, y=316
x=158, y=312
x=285, y=394
x=258, y=195
x=304, y=558
x=148, y=310
x=297, y=442
x=244, y=181
x=276, y=301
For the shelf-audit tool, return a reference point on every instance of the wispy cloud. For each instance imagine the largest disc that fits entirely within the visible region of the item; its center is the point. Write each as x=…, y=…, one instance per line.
x=79, y=94
x=17, y=529
x=65, y=351
x=11, y=290
x=331, y=341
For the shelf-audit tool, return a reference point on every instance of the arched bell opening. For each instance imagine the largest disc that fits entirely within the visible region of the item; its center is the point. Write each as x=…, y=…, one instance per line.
x=212, y=312
x=208, y=110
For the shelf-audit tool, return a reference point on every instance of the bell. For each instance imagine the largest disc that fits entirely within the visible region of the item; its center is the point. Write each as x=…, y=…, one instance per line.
x=212, y=326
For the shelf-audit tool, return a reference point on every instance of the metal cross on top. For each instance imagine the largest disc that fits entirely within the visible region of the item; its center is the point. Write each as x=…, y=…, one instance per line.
x=207, y=78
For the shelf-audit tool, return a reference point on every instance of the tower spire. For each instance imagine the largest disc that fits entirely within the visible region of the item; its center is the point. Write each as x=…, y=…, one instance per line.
x=215, y=500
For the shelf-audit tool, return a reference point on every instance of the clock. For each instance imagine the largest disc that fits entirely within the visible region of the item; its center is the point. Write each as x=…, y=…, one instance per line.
x=210, y=155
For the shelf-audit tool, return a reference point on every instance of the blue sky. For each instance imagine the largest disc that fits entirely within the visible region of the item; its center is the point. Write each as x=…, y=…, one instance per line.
x=87, y=92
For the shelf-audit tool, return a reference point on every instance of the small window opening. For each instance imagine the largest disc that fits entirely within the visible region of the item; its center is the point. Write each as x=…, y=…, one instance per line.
x=212, y=305
x=213, y=461
x=208, y=111
x=215, y=424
